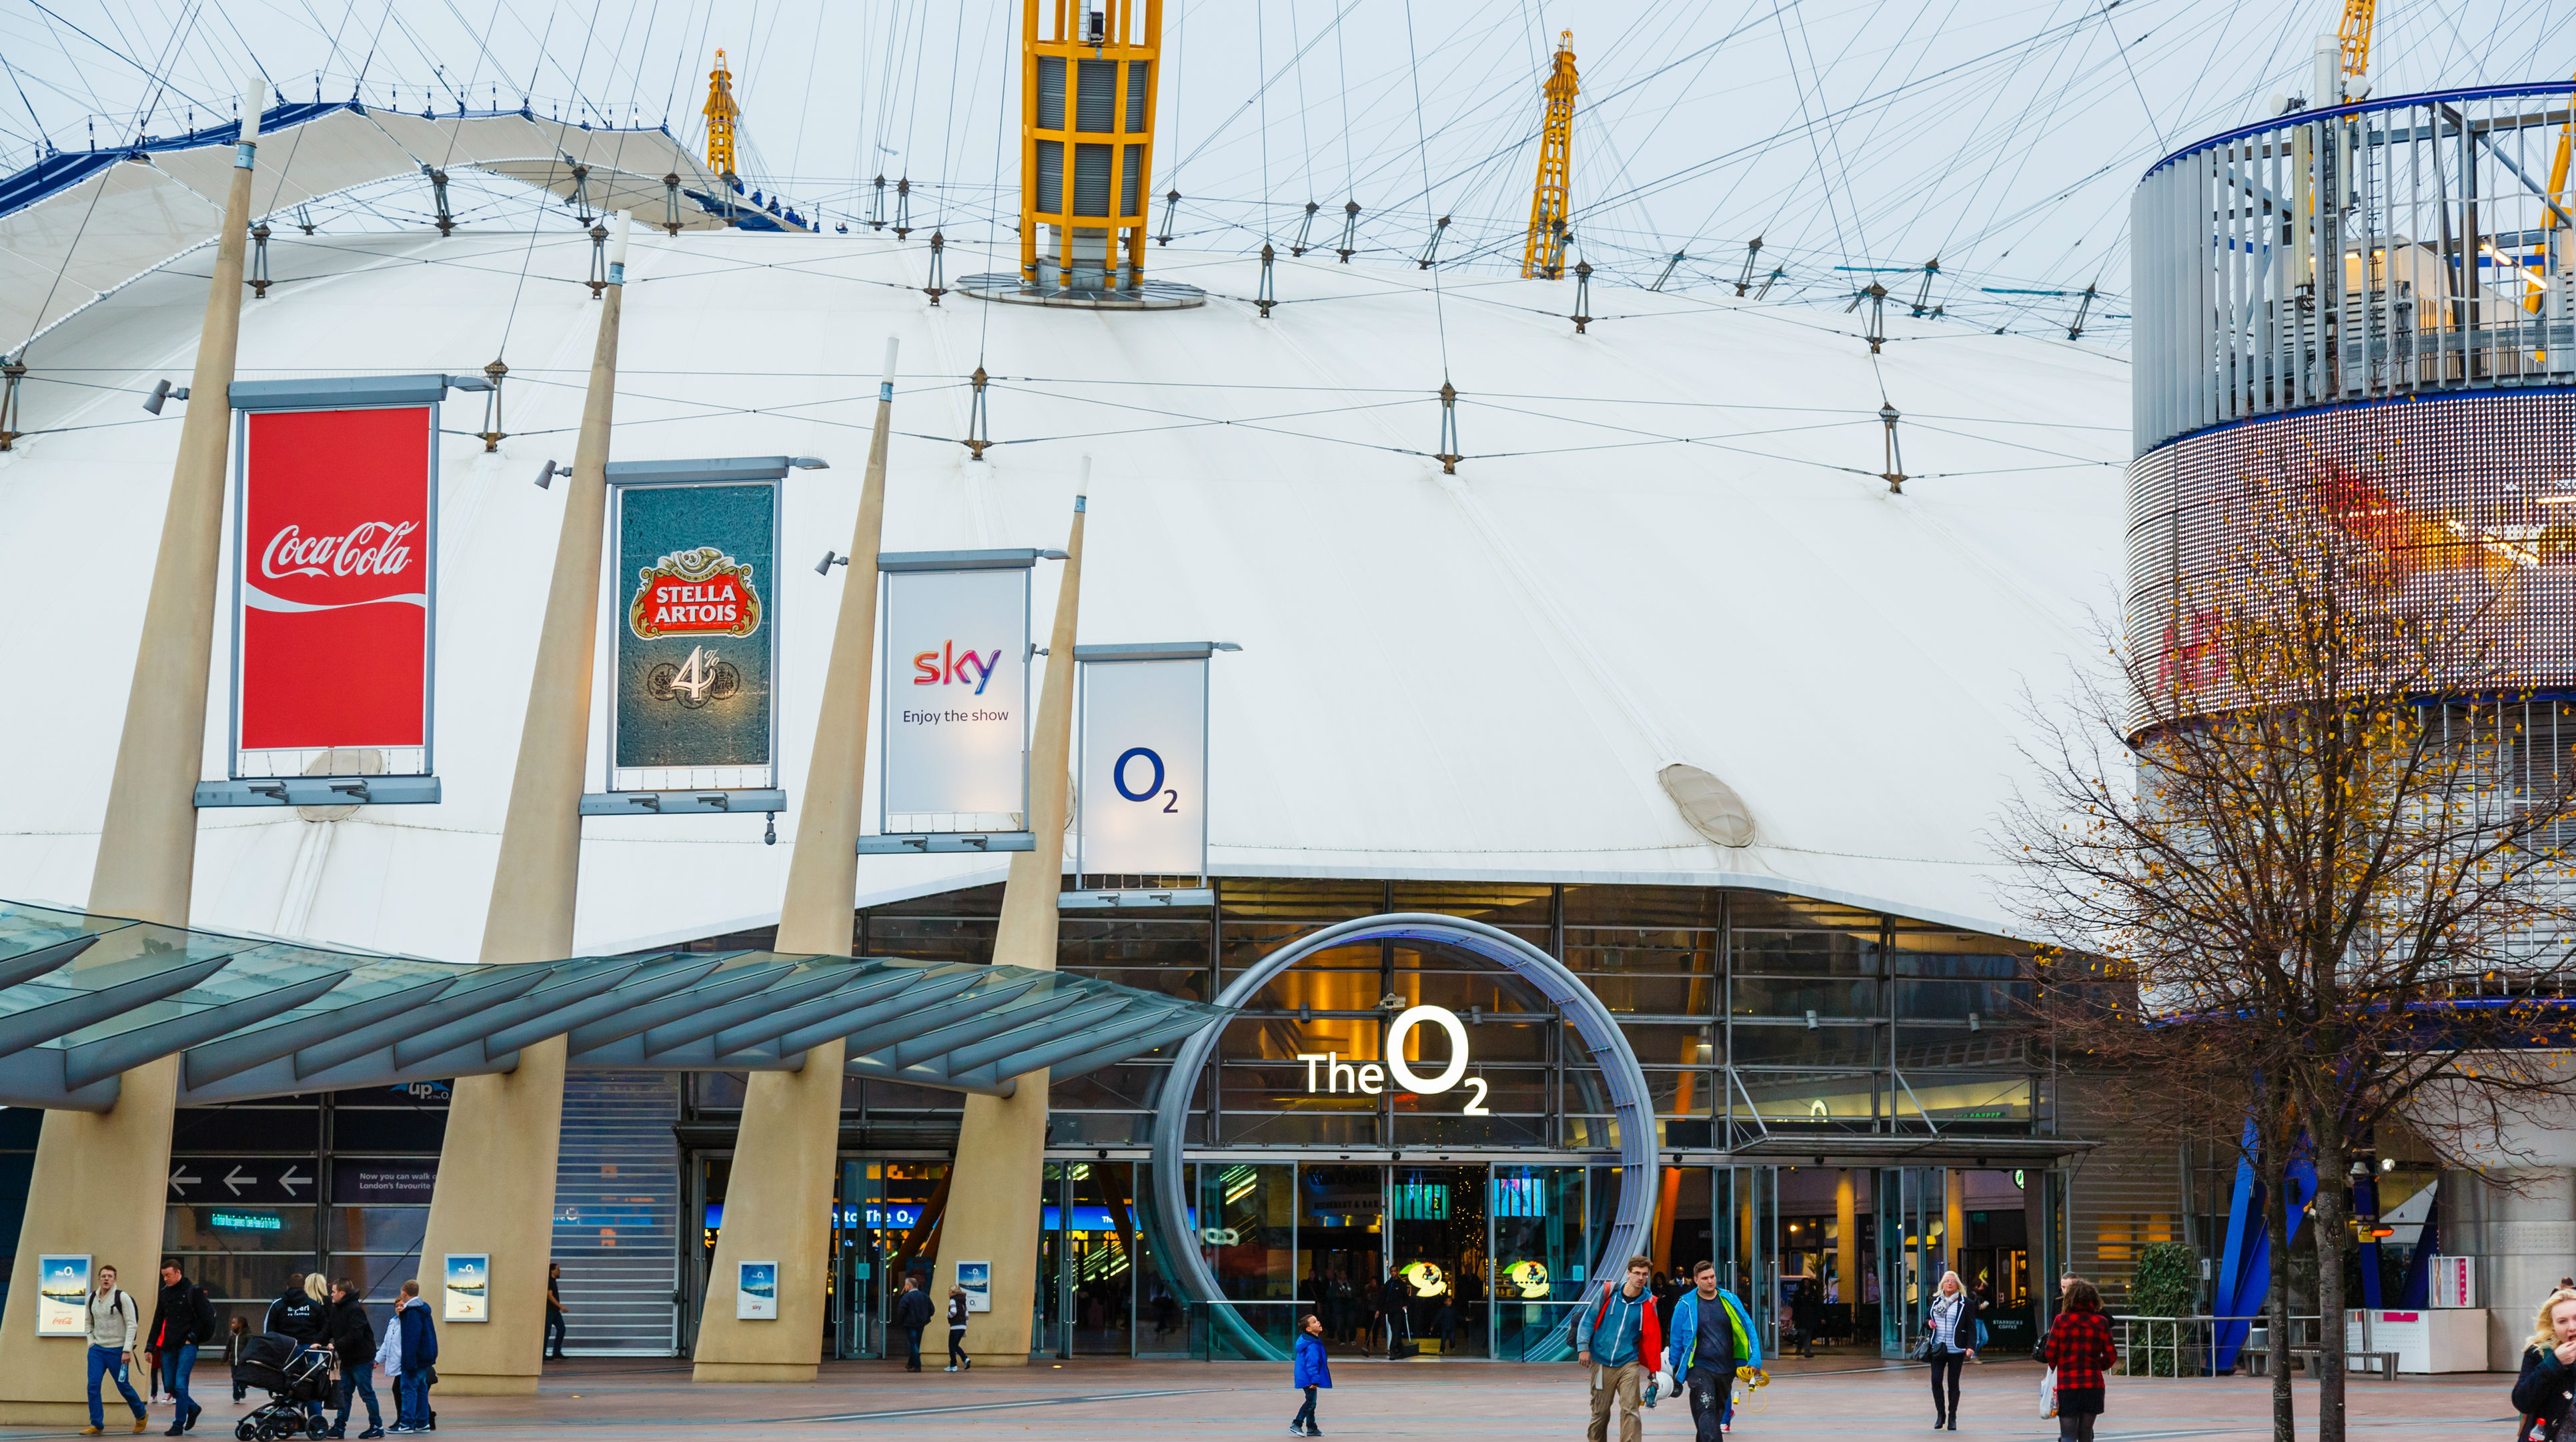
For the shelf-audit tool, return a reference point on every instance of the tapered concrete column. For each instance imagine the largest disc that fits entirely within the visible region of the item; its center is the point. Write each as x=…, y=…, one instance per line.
x=1847, y=1238
x=2522, y=1229
x=1001, y=1146
x=101, y=1180
x=496, y=1174
x=778, y=1198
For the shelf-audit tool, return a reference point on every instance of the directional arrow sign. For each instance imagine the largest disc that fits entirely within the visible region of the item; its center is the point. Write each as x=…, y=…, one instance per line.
x=235, y=1180
x=180, y=1180
x=291, y=1181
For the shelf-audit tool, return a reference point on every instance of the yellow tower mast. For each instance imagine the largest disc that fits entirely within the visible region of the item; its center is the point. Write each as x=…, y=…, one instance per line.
x=1544, y=255
x=1086, y=139
x=721, y=113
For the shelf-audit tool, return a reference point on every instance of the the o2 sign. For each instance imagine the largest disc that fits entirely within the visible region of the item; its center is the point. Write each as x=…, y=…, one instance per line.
x=1142, y=790
x=1370, y=1080
x=1152, y=790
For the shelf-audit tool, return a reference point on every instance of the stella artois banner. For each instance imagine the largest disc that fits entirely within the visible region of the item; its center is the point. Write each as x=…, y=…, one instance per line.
x=955, y=693
x=334, y=554
x=1141, y=786
x=696, y=595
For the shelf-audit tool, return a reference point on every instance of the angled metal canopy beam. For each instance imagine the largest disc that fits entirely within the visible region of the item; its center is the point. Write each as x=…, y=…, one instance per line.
x=914, y=986
x=1084, y=1019
x=991, y=1021
x=733, y=978
x=561, y=987
x=868, y=1066
x=651, y=981
x=86, y=1062
x=472, y=993
x=212, y=1061
x=914, y=1021
x=28, y=965
x=50, y=1011
x=1129, y=1049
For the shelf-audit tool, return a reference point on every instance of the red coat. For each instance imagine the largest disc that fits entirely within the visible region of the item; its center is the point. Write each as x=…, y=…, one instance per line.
x=2079, y=1346
x=1650, y=1327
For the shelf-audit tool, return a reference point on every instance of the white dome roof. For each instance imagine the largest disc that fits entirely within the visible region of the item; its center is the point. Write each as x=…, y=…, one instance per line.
x=1477, y=676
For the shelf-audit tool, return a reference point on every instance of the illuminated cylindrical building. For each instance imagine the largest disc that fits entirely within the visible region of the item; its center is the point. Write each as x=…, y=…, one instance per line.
x=2363, y=307
x=2360, y=316
x=1086, y=139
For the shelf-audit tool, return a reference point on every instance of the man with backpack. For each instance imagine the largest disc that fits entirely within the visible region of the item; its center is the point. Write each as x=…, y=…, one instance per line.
x=911, y=1314
x=115, y=1326
x=1619, y=1337
x=182, y=1321
x=1713, y=1335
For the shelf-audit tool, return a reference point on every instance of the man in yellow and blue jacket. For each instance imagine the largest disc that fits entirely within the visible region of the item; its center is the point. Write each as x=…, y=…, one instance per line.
x=1711, y=1336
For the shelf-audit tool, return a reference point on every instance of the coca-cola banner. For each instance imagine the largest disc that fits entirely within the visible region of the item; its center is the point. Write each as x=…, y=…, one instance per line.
x=335, y=549
x=955, y=695
x=695, y=612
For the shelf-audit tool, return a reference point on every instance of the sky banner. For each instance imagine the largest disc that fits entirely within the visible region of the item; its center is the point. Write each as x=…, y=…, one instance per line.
x=1142, y=784
x=956, y=698
x=695, y=616
x=334, y=558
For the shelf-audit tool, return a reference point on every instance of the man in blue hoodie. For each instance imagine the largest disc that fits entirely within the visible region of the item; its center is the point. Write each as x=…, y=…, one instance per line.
x=419, y=1350
x=1619, y=1336
x=1712, y=1336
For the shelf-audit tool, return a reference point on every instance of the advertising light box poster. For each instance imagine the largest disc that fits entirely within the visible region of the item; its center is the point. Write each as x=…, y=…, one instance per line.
x=466, y=1288
x=977, y=1279
x=334, y=557
x=696, y=621
x=1143, y=776
x=755, y=1295
x=955, y=701
x=62, y=1296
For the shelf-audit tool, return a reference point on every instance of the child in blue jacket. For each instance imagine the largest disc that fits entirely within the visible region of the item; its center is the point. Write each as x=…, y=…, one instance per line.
x=1312, y=1372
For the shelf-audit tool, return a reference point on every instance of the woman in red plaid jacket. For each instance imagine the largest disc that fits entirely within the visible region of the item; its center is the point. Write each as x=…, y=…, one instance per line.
x=2079, y=1346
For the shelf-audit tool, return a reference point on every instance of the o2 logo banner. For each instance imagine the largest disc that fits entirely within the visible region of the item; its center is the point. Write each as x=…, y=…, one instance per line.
x=695, y=594
x=955, y=694
x=1143, y=789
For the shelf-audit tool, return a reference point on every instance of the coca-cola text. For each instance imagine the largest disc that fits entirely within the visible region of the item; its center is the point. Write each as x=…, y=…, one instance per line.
x=372, y=548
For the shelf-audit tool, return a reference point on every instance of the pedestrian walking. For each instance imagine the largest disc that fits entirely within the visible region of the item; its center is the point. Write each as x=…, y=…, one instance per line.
x=2079, y=1346
x=1618, y=1336
x=115, y=1330
x=1807, y=1314
x=958, y=1361
x=1713, y=1335
x=2541, y=1393
x=554, y=1338
x=1312, y=1370
x=183, y=1320
x=1394, y=1308
x=419, y=1349
x=911, y=1314
x=1947, y=1347
x=353, y=1341
x=236, y=1332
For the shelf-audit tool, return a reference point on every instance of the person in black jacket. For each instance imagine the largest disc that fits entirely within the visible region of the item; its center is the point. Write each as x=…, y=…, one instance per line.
x=183, y=1321
x=353, y=1341
x=2540, y=1394
x=300, y=1312
x=958, y=1361
x=1394, y=1307
x=911, y=1314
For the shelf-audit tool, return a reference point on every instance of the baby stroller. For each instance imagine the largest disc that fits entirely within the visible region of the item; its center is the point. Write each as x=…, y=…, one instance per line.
x=297, y=1379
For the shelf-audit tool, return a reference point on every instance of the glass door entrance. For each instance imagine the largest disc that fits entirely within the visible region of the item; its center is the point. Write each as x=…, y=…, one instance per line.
x=1438, y=1246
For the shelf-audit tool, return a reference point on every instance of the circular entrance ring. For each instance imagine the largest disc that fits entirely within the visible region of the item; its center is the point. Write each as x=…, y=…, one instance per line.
x=1573, y=1000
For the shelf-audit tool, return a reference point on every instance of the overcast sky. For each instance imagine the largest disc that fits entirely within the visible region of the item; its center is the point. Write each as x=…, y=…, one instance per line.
x=2002, y=138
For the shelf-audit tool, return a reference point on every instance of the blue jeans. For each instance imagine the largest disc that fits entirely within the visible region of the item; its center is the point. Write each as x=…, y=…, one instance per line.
x=411, y=1398
x=108, y=1361
x=175, y=1367
x=354, y=1383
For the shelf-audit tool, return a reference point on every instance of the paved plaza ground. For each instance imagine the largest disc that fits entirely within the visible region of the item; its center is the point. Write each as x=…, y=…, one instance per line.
x=1124, y=1401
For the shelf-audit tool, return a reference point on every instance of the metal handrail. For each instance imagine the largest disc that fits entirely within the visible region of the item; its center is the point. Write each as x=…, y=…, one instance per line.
x=2189, y=1345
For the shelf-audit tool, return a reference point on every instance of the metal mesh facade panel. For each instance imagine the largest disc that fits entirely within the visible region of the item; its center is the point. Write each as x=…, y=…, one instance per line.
x=1050, y=176
x=1050, y=92
x=2461, y=509
x=1091, y=179
x=1097, y=108
x=1140, y=86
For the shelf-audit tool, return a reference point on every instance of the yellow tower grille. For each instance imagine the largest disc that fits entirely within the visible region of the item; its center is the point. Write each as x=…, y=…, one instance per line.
x=721, y=112
x=1087, y=140
x=1544, y=255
